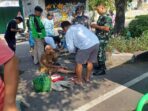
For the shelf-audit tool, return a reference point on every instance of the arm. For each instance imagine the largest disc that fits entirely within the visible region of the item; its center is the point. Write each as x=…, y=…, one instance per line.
x=105, y=28
x=10, y=62
x=44, y=62
x=11, y=84
x=32, y=26
x=11, y=77
x=15, y=30
x=70, y=42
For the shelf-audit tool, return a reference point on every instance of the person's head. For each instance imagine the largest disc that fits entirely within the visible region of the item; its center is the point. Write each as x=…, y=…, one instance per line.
x=50, y=16
x=48, y=49
x=38, y=11
x=65, y=25
x=78, y=11
x=18, y=19
x=101, y=8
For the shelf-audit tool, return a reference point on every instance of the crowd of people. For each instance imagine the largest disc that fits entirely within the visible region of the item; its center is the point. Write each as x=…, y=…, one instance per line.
x=78, y=38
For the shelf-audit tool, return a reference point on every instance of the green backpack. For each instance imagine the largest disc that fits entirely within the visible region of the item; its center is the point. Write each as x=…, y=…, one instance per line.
x=42, y=83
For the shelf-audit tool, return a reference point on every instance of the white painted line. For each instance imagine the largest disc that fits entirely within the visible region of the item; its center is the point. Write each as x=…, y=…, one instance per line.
x=108, y=95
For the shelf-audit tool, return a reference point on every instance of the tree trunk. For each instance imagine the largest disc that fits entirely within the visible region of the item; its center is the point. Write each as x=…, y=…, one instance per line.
x=120, y=15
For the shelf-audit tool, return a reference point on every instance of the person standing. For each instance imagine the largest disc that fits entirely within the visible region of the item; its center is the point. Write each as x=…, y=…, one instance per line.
x=38, y=33
x=49, y=27
x=84, y=43
x=11, y=31
x=49, y=24
x=30, y=38
x=103, y=31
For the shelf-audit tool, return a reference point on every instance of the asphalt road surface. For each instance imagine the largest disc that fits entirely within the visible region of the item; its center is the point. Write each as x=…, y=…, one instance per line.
x=118, y=90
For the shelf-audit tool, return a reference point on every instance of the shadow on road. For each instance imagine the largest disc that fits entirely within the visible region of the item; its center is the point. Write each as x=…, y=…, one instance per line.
x=73, y=98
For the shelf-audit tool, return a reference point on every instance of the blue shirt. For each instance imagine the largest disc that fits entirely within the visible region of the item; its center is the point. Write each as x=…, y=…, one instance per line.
x=78, y=36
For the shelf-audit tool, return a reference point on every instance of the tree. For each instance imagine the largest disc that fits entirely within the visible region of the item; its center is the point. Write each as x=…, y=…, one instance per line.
x=120, y=15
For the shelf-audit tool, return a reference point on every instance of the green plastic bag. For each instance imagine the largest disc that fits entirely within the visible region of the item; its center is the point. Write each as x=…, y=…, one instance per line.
x=42, y=83
x=142, y=102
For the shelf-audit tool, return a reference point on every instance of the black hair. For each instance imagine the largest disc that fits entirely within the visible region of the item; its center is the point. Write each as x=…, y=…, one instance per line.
x=101, y=3
x=111, y=12
x=38, y=8
x=49, y=14
x=65, y=24
x=19, y=18
x=77, y=9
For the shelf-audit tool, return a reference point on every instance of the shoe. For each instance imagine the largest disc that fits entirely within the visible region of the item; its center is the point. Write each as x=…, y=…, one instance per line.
x=21, y=72
x=99, y=72
x=97, y=67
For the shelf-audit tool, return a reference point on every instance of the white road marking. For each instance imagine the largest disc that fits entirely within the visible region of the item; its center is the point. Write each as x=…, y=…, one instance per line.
x=108, y=95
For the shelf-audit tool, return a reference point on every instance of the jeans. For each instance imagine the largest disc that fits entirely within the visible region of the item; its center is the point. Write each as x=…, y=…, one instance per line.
x=31, y=40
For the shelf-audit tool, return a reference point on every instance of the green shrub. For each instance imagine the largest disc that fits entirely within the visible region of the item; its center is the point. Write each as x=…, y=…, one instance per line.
x=129, y=45
x=138, y=26
x=142, y=17
x=126, y=33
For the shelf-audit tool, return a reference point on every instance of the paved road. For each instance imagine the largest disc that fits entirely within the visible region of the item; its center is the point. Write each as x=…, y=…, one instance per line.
x=77, y=97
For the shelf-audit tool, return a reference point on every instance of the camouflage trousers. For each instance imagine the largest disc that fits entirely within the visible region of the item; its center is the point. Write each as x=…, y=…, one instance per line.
x=102, y=52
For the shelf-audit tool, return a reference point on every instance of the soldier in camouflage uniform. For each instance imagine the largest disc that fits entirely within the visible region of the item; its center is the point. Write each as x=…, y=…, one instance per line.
x=103, y=31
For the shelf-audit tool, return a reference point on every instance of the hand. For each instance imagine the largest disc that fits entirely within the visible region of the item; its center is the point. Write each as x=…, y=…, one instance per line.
x=20, y=30
x=93, y=25
x=27, y=35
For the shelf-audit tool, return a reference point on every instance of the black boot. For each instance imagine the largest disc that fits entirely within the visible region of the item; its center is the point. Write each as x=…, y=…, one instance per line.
x=100, y=70
x=97, y=66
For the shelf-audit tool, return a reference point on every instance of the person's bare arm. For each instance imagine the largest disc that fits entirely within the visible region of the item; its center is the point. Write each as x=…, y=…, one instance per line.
x=46, y=64
x=44, y=61
x=105, y=28
x=16, y=30
x=11, y=78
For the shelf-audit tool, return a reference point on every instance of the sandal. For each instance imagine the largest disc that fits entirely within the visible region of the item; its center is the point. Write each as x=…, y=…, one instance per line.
x=87, y=81
x=77, y=82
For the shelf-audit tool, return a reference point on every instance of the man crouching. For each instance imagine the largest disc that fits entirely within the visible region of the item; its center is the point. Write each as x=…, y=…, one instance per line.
x=84, y=43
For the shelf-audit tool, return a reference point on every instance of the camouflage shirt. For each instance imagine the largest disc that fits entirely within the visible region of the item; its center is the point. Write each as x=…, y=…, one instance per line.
x=104, y=21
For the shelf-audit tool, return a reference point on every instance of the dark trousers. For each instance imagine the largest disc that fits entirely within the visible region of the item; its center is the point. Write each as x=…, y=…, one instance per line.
x=11, y=43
